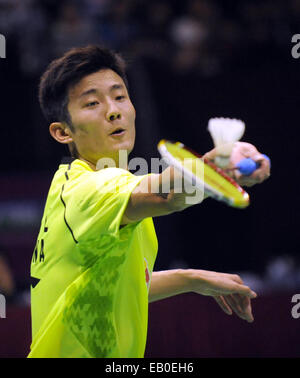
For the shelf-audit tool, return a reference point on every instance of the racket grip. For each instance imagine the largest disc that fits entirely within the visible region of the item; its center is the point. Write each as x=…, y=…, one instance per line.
x=247, y=166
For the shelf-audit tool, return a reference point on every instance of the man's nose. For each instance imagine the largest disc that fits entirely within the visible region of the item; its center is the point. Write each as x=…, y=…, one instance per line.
x=112, y=116
x=112, y=111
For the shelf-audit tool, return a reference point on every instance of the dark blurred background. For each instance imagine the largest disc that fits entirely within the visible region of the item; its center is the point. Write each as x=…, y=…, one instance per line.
x=188, y=61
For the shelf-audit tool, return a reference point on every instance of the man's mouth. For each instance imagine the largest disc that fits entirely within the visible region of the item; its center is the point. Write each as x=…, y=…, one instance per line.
x=118, y=131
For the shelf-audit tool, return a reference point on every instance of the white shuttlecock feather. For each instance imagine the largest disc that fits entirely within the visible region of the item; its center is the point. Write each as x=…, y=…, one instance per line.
x=225, y=132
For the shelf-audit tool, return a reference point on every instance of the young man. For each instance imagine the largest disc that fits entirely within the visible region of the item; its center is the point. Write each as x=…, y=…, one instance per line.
x=92, y=266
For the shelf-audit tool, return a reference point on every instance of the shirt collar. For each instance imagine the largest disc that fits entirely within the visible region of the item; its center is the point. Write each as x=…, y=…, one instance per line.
x=67, y=160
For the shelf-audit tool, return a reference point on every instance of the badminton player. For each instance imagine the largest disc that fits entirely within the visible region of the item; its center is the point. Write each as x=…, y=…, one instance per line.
x=92, y=265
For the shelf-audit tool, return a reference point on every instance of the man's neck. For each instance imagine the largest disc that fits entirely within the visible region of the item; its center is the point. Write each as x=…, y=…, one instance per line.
x=89, y=163
x=105, y=163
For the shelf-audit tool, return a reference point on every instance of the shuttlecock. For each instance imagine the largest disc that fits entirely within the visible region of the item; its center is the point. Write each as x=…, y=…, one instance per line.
x=225, y=132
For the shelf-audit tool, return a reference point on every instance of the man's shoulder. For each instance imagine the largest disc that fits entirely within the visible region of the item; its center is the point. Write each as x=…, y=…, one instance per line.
x=77, y=177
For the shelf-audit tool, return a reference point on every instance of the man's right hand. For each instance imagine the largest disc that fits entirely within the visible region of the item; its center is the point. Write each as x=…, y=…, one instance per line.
x=228, y=290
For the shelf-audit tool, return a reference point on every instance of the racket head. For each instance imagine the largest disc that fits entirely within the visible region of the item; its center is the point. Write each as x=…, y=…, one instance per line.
x=216, y=183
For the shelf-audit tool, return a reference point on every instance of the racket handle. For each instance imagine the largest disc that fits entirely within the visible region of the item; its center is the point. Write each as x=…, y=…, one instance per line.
x=247, y=166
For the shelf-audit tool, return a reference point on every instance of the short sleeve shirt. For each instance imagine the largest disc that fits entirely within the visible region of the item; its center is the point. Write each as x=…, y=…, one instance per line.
x=90, y=276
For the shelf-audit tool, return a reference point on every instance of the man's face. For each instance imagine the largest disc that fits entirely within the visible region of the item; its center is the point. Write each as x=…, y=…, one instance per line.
x=102, y=115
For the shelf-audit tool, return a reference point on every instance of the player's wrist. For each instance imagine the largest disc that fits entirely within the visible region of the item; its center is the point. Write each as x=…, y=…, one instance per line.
x=192, y=279
x=197, y=281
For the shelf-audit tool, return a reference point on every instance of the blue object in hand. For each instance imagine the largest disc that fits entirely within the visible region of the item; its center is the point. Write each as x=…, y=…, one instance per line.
x=247, y=166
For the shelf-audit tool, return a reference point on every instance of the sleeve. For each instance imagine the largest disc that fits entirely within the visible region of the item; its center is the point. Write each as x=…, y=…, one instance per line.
x=96, y=202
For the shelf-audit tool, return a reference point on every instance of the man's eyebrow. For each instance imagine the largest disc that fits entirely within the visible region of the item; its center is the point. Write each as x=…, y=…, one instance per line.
x=94, y=90
x=116, y=86
x=88, y=92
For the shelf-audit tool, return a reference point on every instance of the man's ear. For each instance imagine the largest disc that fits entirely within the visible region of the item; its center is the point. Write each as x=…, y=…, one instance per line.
x=61, y=132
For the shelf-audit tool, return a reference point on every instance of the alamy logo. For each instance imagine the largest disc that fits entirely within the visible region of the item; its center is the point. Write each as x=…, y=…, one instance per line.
x=2, y=306
x=295, y=49
x=296, y=308
x=2, y=46
x=184, y=181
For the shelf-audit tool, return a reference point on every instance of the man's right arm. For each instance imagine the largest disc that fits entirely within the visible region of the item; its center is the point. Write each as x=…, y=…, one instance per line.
x=158, y=195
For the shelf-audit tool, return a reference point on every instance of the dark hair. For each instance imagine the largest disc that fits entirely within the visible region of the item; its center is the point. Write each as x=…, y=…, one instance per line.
x=68, y=70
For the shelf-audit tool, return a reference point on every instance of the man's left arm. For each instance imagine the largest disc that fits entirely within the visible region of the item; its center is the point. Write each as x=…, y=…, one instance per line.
x=228, y=290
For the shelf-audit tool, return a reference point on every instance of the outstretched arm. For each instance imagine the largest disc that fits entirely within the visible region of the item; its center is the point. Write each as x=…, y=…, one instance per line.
x=149, y=199
x=160, y=194
x=227, y=289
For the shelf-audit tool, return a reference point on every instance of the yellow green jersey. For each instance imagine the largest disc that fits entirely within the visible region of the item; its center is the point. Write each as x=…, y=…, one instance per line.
x=91, y=276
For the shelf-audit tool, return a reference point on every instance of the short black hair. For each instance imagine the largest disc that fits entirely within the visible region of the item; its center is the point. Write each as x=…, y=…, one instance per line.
x=65, y=72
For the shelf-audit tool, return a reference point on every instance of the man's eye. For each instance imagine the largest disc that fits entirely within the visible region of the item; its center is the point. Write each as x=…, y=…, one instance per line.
x=118, y=98
x=92, y=103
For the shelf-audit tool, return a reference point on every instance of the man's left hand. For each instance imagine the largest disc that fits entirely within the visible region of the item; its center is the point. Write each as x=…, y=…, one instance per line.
x=241, y=151
x=244, y=150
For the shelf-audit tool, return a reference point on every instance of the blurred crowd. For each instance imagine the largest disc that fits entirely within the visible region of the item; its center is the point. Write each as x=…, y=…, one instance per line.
x=199, y=36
